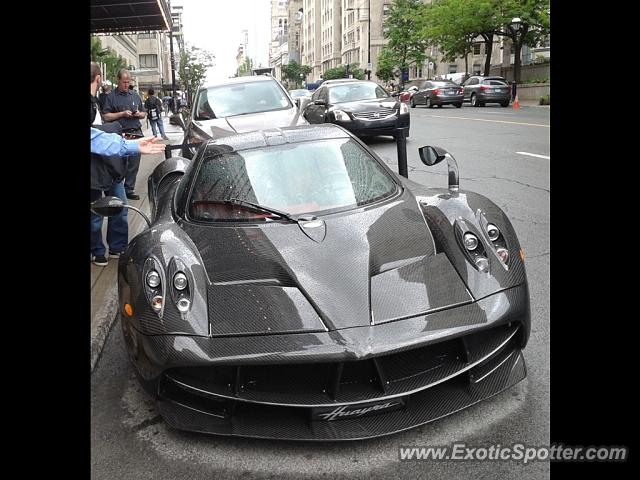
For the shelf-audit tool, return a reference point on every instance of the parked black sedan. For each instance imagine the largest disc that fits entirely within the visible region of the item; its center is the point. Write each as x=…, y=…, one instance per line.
x=362, y=107
x=482, y=90
x=436, y=92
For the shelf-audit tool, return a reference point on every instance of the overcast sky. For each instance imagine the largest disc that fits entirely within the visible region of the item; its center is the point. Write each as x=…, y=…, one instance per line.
x=217, y=25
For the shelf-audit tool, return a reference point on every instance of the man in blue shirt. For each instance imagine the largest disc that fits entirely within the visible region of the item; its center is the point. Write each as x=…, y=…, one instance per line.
x=125, y=106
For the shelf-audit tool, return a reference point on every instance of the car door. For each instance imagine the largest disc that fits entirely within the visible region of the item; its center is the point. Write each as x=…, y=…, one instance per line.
x=316, y=113
x=419, y=95
x=471, y=85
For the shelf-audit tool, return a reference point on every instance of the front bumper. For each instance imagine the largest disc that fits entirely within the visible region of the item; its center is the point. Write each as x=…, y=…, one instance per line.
x=494, y=97
x=385, y=126
x=273, y=386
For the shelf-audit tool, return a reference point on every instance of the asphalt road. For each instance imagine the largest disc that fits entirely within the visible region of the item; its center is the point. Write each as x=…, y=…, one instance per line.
x=129, y=439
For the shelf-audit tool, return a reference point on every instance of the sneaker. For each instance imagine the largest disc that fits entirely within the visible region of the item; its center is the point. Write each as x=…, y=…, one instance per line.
x=100, y=260
x=133, y=196
x=115, y=254
x=164, y=137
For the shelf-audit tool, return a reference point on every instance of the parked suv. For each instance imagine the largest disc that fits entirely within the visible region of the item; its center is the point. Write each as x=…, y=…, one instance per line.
x=238, y=105
x=482, y=90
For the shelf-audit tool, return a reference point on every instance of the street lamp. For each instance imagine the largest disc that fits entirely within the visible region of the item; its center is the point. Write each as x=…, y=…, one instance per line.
x=516, y=25
x=368, y=35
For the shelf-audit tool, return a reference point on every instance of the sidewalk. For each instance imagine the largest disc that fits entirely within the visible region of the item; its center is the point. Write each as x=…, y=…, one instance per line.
x=104, y=288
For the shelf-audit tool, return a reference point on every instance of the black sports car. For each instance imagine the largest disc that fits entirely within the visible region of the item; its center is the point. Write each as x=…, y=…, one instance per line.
x=290, y=285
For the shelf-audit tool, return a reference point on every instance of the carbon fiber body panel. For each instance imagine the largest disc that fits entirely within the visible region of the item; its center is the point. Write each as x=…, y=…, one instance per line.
x=377, y=323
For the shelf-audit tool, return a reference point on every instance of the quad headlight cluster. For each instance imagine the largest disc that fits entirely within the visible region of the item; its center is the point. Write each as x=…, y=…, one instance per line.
x=474, y=248
x=154, y=286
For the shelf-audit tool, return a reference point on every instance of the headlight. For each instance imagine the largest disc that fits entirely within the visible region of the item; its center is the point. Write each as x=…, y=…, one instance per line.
x=341, y=116
x=153, y=279
x=404, y=108
x=183, y=305
x=180, y=281
x=470, y=241
x=493, y=232
x=503, y=253
x=482, y=263
x=156, y=303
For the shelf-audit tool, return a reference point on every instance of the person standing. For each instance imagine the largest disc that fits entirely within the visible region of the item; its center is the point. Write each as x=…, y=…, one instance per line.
x=106, y=90
x=125, y=106
x=153, y=106
x=107, y=178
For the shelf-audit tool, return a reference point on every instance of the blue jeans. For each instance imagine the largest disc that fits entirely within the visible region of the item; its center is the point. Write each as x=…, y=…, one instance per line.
x=117, y=226
x=160, y=125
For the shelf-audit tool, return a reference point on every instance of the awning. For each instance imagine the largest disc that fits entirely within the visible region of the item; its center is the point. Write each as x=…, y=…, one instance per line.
x=124, y=16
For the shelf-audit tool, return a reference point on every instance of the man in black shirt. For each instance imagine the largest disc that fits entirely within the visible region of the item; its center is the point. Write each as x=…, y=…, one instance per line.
x=125, y=106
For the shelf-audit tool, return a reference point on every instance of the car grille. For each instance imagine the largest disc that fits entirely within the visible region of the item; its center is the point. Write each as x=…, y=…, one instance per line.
x=330, y=383
x=376, y=114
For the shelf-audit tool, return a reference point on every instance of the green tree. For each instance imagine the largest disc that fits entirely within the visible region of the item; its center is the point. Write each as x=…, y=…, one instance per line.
x=534, y=25
x=386, y=66
x=245, y=68
x=291, y=72
x=404, y=28
x=454, y=26
x=98, y=54
x=194, y=63
x=341, y=72
x=113, y=63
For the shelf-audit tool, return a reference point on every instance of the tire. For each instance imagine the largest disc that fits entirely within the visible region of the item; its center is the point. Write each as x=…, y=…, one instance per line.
x=439, y=105
x=474, y=100
x=458, y=105
x=505, y=104
x=412, y=102
x=428, y=103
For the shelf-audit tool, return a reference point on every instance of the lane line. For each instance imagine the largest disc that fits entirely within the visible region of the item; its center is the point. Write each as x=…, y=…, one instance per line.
x=492, y=121
x=534, y=155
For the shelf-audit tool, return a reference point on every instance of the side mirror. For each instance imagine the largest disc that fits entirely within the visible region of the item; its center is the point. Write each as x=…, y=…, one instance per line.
x=431, y=156
x=110, y=206
x=177, y=119
x=303, y=102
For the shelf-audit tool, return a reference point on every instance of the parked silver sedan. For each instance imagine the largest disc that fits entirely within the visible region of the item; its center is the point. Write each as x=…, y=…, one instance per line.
x=482, y=90
x=437, y=92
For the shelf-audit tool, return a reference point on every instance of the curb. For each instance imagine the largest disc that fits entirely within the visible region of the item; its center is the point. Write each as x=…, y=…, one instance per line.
x=106, y=318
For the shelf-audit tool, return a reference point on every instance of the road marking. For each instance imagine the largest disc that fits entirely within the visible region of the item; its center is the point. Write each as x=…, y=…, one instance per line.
x=534, y=155
x=493, y=121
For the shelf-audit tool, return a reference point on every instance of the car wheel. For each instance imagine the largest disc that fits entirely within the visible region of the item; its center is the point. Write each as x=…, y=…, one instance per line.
x=474, y=100
x=505, y=104
x=428, y=103
x=458, y=105
x=412, y=102
x=439, y=105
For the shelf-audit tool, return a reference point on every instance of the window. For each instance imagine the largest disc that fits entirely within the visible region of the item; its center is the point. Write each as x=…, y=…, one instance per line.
x=291, y=178
x=476, y=48
x=453, y=68
x=148, y=61
x=146, y=36
x=385, y=9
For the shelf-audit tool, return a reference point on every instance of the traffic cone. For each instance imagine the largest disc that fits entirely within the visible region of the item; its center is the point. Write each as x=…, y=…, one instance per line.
x=516, y=103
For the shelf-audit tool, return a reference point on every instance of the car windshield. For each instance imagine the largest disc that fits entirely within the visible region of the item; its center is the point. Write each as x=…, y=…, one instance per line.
x=300, y=93
x=240, y=99
x=495, y=82
x=445, y=84
x=354, y=92
x=298, y=178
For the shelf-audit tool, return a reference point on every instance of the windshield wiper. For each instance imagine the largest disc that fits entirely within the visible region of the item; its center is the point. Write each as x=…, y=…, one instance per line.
x=237, y=201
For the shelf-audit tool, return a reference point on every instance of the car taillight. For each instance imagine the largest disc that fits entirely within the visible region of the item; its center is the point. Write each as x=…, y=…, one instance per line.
x=461, y=91
x=436, y=91
x=484, y=88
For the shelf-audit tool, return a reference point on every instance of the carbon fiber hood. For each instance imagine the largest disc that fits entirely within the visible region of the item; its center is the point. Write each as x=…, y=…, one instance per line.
x=373, y=265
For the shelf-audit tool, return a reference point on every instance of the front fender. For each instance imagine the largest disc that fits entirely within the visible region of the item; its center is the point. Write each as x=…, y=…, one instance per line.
x=167, y=244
